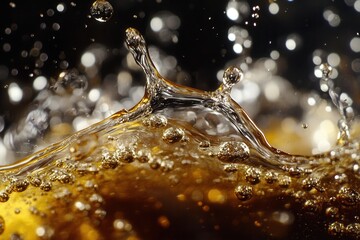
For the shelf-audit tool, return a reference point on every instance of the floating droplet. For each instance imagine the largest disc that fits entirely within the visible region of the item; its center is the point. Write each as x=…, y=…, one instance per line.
x=101, y=10
x=233, y=152
x=244, y=192
x=326, y=70
x=173, y=135
x=232, y=75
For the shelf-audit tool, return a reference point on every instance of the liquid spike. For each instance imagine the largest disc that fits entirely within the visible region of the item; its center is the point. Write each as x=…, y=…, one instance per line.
x=137, y=46
x=342, y=102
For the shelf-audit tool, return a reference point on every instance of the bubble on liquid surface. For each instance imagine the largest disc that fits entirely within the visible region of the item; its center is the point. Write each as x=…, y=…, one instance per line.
x=101, y=10
x=348, y=196
x=173, y=135
x=244, y=192
x=232, y=152
x=2, y=225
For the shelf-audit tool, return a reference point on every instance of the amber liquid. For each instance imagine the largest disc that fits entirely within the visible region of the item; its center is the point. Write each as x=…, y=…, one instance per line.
x=182, y=164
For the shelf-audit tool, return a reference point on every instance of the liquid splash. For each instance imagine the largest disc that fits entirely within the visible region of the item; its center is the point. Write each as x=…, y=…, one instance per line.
x=122, y=177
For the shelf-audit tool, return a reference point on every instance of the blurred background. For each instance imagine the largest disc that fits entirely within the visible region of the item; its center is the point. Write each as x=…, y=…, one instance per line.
x=64, y=66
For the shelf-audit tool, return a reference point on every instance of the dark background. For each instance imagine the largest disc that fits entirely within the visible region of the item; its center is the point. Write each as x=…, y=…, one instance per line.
x=199, y=51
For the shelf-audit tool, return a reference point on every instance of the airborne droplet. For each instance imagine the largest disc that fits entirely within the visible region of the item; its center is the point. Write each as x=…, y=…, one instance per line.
x=326, y=70
x=101, y=10
x=232, y=76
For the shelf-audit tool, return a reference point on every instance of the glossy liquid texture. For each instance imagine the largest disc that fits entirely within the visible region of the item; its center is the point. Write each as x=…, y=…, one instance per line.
x=183, y=164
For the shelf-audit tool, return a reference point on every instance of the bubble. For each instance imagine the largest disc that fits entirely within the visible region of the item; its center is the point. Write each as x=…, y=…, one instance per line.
x=271, y=177
x=166, y=165
x=124, y=154
x=20, y=185
x=232, y=75
x=348, y=196
x=312, y=206
x=326, y=70
x=233, y=152
x=4, y=196
x=2, y=225
x=204, y=144
x=143, y=156
x=107, y=161
x=155, y=121
x=252, y=175
x=173, y=135
x=310, y=183
x=164, y=222
x=284, y=181
x=332, y=212
x=336, y=228
x=353, y=230
x=45, y=186
x=230, y=168
x=244, y=192
x=101, y=10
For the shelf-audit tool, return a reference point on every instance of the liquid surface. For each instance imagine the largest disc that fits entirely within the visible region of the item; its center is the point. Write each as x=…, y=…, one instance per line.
x=181, y=164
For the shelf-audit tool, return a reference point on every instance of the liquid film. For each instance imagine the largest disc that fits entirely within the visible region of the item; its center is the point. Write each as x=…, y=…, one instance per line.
x=181, y=164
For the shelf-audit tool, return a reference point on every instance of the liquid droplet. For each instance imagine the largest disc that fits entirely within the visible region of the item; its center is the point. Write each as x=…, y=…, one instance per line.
x=232, y=76
x=101, y=10
x=326, y=70
x=304, y=125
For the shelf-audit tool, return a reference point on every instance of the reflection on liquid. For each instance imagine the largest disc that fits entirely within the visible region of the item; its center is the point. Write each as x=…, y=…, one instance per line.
x=183, y=163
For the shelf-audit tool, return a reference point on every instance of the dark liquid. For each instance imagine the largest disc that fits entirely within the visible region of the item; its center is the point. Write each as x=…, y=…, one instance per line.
x=182, y=164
